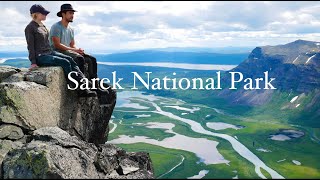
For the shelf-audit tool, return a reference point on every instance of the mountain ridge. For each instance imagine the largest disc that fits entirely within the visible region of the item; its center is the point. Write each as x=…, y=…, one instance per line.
x=175, y=57
x=296, y=69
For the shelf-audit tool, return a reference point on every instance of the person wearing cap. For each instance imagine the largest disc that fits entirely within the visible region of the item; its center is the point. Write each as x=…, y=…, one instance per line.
x=40, y=52
x=62, y=40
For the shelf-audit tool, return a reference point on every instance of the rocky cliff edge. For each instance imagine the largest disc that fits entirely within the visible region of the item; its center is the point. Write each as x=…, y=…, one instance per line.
x=47, y=131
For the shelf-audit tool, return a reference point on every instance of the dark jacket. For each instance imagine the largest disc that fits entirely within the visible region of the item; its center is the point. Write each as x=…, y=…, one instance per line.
x=37, y=41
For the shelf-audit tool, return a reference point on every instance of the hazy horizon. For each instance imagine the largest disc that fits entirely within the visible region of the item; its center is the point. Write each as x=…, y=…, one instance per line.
x=243, y=49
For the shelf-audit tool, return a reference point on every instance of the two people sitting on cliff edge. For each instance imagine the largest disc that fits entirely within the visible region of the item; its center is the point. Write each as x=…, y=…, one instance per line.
x=62, y=40
x=61, y=49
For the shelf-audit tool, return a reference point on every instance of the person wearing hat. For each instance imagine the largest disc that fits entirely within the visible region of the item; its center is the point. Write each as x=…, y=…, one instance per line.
x=62, y=40
x=40, y=52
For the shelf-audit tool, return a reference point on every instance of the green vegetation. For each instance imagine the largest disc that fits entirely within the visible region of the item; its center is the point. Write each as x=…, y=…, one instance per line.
x=265, y=173
x=257, y=129
x=316, y=134
x=165, y=159
x=259, y=122
x=135, y=130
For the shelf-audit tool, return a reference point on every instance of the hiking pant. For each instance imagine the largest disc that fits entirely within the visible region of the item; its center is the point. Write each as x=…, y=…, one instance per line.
x=66, y=62
x=81, y=60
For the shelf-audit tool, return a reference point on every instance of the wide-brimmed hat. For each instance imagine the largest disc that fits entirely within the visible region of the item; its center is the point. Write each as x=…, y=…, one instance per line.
x=64, y=8
x=37, y=8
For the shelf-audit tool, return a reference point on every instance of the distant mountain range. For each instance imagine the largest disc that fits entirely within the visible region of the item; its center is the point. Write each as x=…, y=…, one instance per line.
x=219, y=50
x=150, y=56
x=191, y=55
x=13, y=54
x=174, y=57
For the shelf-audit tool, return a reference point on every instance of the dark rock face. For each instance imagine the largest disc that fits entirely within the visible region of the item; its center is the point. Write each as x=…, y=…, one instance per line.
x=47, y=131
x=53, y=153
x=295, y=67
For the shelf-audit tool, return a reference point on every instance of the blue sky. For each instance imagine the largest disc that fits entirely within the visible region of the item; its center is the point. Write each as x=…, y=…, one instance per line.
x=111, y=26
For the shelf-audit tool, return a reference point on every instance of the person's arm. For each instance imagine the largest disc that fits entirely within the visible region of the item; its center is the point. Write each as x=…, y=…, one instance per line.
x=60, y=46
x=79, y=50
x=30, y=45
x=73, y=44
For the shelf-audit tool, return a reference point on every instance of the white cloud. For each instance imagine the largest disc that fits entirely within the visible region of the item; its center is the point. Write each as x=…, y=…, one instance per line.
x=116, y=25
x=154, y=7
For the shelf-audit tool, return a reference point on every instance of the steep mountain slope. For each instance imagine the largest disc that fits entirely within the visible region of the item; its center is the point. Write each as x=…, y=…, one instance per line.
x=296, y=69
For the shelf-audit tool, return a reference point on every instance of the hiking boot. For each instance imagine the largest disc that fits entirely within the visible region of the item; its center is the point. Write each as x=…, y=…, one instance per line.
x=87, y=93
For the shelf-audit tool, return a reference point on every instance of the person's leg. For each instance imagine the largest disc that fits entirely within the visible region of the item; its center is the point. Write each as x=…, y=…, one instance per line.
x=74, y=65
x=66, y=64
x=78, y=58
x=51, y=60
x=92, y=65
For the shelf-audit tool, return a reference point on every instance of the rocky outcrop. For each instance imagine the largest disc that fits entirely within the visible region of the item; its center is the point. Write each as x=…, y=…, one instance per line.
x=40, y=98
x=47, y=131
x=53, y=153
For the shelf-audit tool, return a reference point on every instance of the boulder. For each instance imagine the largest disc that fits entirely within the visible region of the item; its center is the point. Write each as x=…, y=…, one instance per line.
x=29, y=102
x=53, y=153
x=11, y=132
x=6, y=71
